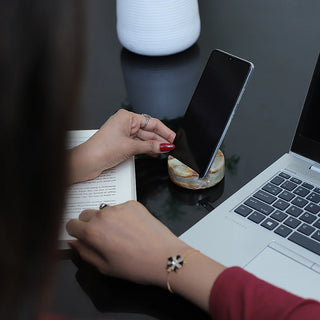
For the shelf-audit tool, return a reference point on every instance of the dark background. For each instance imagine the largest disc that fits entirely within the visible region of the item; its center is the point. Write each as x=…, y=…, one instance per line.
x=281, y=38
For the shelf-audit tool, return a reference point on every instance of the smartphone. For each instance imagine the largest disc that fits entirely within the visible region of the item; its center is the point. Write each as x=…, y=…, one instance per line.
x=210, y=110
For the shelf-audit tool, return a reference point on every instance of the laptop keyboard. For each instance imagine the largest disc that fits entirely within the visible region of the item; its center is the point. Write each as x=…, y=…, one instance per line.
x=289, y=207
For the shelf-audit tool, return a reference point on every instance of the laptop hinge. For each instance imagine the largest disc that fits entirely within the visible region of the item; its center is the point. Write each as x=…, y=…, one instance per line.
x=315, y=168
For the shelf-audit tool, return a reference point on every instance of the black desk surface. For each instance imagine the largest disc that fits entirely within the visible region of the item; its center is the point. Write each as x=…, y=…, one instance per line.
x=281, y=38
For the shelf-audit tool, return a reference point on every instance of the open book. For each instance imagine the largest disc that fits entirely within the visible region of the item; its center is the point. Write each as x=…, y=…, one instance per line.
x=113, y=186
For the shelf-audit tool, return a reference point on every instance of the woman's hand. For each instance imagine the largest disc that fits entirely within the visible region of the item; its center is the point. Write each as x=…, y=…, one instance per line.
x=123, y=135
x=125, y=241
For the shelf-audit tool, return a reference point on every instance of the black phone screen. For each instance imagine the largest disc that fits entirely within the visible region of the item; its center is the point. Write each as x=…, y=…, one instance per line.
x=210, y=110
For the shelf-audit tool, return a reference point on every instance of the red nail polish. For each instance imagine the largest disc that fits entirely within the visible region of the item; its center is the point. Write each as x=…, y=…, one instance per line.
x=166, y=147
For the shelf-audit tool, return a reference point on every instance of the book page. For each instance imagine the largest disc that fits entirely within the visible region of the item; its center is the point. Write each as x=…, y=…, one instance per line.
x=113, y=186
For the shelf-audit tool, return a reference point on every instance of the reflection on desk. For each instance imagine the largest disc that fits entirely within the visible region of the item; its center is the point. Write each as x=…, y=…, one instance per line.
x=110, y=295
x=161, y=86
x=176, y=207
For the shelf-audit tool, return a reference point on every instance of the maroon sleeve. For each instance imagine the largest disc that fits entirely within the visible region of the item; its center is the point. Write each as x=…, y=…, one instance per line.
x=237, y=294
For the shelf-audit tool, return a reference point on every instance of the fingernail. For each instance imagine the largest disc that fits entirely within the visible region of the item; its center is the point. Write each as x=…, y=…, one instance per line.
x=166, y=147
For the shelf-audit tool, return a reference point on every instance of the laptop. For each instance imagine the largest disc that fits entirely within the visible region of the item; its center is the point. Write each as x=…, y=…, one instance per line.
x=271, y=226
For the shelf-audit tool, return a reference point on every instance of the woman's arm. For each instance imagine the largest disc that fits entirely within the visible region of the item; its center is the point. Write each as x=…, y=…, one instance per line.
x=239, y=295
x=123, y=135
x=126, y=241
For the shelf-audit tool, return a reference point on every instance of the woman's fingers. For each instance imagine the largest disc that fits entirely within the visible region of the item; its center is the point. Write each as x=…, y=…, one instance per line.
x=77, y=228
x=87, y=215
x=151, y=147
x=149, y=135
x=156, y=126
x=90, y=255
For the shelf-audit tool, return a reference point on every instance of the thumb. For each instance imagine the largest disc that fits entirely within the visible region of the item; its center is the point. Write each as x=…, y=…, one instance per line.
x=152, y=146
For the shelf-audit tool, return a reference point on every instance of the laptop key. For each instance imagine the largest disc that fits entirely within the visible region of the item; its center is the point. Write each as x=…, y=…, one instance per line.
x=299, y=202
x=301, y=191
x=279, y=215
x=272, y=189
x=317, y=190
x=259, y=206
x=284, y=175
x=295, y=180
x=256, y=217
x=277, y=180
x=307, y=185
x=306, y=229
x=313, y=208
x=316, y=235
x=305, y=242
x=283, y=231
x=317, y=224
x=264, y=196
x=243, y=210
x=314, y=197
x=281, y=204
x=292, y=222
x=294, y=211
x=286, y=195
x=288, y=185
x=308, y=217
x=269, y=224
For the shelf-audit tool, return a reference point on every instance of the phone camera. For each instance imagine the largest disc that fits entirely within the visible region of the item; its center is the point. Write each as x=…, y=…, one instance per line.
x=230, y=59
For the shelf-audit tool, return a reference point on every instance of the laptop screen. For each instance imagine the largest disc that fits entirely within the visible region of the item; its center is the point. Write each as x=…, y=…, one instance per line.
x=307, y=138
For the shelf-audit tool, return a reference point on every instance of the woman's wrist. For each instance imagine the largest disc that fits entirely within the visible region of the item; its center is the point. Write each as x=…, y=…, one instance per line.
x=195, y=278
x=176, y=263
x=83, y=164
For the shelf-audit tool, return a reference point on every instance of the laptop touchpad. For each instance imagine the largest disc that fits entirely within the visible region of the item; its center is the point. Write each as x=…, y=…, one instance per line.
x=286, y=273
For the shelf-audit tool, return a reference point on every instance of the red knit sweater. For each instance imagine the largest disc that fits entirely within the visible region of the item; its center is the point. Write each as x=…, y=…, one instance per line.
x=237, y=294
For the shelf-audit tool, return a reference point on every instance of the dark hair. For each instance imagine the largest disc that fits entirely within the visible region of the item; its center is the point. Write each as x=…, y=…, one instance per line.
x=40, y=59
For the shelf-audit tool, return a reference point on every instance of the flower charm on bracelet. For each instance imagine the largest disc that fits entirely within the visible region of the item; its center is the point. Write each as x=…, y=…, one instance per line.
x=174, y=263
